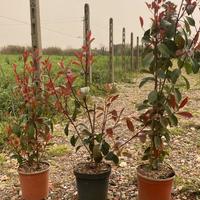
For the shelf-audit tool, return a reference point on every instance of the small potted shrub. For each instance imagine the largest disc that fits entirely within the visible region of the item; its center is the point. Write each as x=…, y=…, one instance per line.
x=171, y=45
x=95, y=132
x=29, y=131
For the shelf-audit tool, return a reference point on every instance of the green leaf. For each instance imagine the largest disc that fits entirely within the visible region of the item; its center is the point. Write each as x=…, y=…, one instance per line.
x=73, y=140
x=97, y=154
x=186, y=82
x=188, y=67
x=191, y=21
x=145, y=80
x=174, y=75
x=187, y=26
x=16, y=129
x=180, y=63
x=163, y=122
x=165, y=24
x=153, y=96
x=195, y=66
x=148, y=59
x=164, y=50
x=173, y=120
x=76, y=110
x=147, y=153
x=180, y=42
x=31, y=131
x=99, y=138
x=146, y=37
x=145, y=157
x=18, y=158
x=167, y=109
x=66, y=129
x=142, y=106
x=177, y=94
x=167, y=136
x=105, y=148
x=157, y=141
x=161, y=74
x=78, y=147
x=113, y=157
x=186, y=37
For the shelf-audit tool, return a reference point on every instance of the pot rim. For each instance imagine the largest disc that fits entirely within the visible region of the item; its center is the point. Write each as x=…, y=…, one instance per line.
x=152, y=179
x=35, y=172
x=105, y=172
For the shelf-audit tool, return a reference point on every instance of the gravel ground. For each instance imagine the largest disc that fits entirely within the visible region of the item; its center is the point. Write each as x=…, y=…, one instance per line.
x=184, y=158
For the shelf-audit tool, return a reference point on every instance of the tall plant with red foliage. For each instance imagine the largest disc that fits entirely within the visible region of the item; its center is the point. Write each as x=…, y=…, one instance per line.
x=171, y=45
x=30, y=130
x=96, y=132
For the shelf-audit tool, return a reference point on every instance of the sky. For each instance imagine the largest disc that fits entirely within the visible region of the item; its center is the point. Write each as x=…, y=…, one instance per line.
x=62, y=21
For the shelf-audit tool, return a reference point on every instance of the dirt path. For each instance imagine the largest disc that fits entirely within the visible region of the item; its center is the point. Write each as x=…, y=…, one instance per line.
x=184, y=156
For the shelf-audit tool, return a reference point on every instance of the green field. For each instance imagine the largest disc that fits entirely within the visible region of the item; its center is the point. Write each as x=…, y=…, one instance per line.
x=100, y=77
x=100, y=67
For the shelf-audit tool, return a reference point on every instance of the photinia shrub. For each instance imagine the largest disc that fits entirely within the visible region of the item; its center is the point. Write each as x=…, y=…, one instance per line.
x=98, y=123
x=30, y=129
x=171, y=45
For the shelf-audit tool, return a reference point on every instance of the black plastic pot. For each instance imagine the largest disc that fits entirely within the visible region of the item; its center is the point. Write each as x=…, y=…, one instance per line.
x=92, y=186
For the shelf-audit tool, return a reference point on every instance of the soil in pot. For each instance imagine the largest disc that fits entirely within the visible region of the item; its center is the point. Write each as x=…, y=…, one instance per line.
x=34, y=182
x=155, y=184
x=92, y=180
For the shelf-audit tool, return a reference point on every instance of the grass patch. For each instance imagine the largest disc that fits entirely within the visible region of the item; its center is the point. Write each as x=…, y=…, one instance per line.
x=176, y=130
x=2, y=158
x=58, y=150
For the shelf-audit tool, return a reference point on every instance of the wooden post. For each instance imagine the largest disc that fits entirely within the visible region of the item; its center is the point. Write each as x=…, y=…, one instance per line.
x=123, y=49
x=111, y=52
x=132, y=64
x=137, y=55
x=88, y=78
x=36, y=32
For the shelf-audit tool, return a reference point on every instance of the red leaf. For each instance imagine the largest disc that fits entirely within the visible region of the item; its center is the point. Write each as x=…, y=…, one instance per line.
x=49, y=66
x=183, y=103
x=79, y=55
x=130, y=125
x=61, y=64
x=25, y=56
x=113, y=98
x=58, y=106
x=109, y=132
x=91, y=40
x=15, y=67
x=185, y=114
x=89, y=35
x=141, y=22
x=76, y=63
x=172, y=102
x=48, y=137
x=114, y=115
x=196, y=38
x=148, y=5
x=142, y=137
x=99, y=115
x=198, y=47
x=99, y=108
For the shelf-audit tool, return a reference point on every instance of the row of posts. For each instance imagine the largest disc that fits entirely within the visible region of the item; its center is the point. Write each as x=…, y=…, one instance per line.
x=36, y=42
x=133, y=63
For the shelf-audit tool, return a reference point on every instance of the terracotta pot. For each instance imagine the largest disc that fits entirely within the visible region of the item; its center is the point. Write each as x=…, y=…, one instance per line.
x=92, y=186
x=154, y=189
x=34, y=185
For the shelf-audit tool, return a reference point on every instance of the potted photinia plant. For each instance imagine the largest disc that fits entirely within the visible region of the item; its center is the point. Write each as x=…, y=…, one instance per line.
x=30, y=130
x=94, y=133
x=171, y=45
